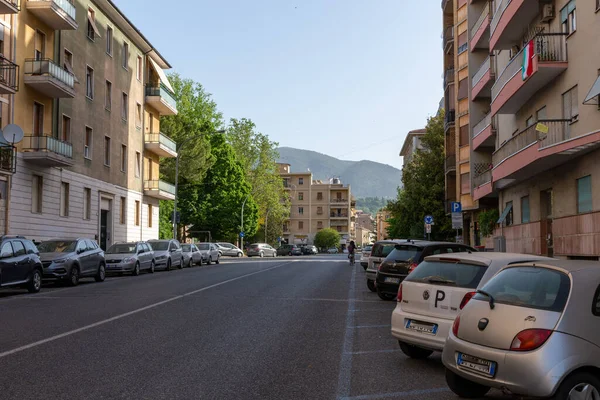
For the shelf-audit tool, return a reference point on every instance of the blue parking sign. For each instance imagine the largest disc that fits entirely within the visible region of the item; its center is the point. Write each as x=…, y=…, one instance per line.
x=456, y=207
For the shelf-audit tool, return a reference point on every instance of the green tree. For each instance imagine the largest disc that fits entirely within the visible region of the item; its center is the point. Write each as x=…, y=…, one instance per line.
x=327, y=238
x=423, y=191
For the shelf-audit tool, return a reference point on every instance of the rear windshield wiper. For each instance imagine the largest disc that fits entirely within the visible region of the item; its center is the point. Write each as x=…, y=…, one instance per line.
x=491, y=301
x=439, y=279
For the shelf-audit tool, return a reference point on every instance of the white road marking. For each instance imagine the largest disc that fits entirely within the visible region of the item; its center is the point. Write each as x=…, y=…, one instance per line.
x=127, y=314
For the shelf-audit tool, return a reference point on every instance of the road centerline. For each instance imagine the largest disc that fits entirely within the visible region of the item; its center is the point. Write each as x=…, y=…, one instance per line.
x=345, y=376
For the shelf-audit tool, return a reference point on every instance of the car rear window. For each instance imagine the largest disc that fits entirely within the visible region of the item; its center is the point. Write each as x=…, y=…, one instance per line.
x=531, y=287
x=382, y=249
x=404, y=252
x=448, y=273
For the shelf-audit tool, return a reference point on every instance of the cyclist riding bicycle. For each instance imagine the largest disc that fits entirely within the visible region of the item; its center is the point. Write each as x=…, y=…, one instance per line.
x=351, y=250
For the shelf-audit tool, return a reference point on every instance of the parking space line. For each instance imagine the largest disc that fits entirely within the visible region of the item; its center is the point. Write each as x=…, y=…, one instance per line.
x=345, y=375
x=415, y=392
x=127, y=314
x=375, y=351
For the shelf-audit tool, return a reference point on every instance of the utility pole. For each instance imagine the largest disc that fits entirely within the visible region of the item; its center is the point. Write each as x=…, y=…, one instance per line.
x=266, y=224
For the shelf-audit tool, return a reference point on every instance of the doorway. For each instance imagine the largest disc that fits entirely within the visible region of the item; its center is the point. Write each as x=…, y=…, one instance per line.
x=106, y=236
x=546, y=211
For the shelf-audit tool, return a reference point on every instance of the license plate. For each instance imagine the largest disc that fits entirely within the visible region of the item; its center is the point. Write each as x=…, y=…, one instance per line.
x=111, y=266
x=476, y=364
x=392, y=280
x=423, y=327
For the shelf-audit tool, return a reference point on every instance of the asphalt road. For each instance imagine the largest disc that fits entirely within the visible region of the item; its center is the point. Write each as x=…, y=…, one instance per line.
x=283, y=328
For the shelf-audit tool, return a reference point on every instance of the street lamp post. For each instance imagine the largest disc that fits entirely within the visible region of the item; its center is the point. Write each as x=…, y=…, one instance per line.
x=242, y=224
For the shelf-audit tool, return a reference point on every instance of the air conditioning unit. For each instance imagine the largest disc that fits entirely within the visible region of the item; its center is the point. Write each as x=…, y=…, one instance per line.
x=547, y=12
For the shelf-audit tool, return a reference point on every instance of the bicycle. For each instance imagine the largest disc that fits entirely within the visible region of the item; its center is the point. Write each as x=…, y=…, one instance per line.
x=351, y=257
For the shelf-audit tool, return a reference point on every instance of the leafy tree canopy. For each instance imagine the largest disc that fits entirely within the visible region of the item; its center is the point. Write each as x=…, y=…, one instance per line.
x=327, y=238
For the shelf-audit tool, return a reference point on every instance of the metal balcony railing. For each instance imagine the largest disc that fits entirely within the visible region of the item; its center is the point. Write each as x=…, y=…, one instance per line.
x=159, y=185
x=485, y=15
x=7, y=158
x=486, y=66
x=450, y=163
x=9, y=74
x=47, y=67
x=482, y=125
x=48, y=143
x=448, y=36
x=64, y=5
x=162, y=91
x=339, y=200
x=482, y=178
x=162, y=139
x=448, y=77
x=449, y=119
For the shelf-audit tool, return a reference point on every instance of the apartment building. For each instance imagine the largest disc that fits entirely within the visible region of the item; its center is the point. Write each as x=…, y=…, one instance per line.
x=381, y=224
x=411, y=144
x=316, y=205
x=87, y=75
x=540, y=131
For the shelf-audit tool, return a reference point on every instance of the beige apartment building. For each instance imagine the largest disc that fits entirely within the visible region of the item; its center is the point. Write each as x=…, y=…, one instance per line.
x=87, y=75
x=381, y=224
x=316, y=205
x=535, y=98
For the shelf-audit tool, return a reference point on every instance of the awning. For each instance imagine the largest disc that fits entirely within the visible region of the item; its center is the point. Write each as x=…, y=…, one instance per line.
x=161, y=75
x=92, y=22
x=504, y=214
x=592, y=96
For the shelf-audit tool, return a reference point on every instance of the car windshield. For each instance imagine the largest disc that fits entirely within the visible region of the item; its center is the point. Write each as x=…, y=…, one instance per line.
x=186, y=248
x=204, y=246
x=530, y=287
x=448, y=273
x=122, y=248
x=160, y=246
x=404, y=253
x=367, y=248
x=382, y=249
x=57, y=246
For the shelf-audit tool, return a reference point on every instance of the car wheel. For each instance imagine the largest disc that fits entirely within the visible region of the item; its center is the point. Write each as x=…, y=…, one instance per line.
x=463, y=387
x=152, y=267
x=371, y=285
x=414, y=351
x=181, y=264
x=169, y=264
x=218, y=261
x=290, y=254
x=209, y=262
x=579, y=386
x=136, y=269
x=261, y=254
x=74, y=276
x=240, y=254
x=274, y=255
x=101, y=274
x=35, y=283
x=200, y=262
x=385, y=296
x=189, y=264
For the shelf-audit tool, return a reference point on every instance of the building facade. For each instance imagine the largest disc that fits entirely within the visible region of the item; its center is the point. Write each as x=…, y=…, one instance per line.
x=316, y=205
x=85, y=83
x=411, y=144
x=381, y=224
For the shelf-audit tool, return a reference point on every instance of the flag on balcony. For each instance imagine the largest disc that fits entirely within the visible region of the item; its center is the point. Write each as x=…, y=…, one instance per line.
x=527, y=60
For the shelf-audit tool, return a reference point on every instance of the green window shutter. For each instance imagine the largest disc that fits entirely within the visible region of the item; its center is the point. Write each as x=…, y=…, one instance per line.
x=584, y=194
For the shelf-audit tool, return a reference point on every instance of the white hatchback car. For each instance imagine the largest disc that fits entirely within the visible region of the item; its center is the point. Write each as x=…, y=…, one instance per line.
x=430, y=298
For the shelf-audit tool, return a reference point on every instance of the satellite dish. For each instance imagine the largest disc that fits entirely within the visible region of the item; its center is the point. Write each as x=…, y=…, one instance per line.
x=13, y=133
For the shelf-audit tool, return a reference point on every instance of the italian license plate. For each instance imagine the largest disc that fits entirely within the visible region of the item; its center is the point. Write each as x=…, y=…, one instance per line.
x=476, y=364
x=423, y=327
x=392, y=280
x=111, y=266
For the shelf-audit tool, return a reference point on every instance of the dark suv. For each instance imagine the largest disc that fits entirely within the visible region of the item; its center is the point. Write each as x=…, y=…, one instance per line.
x=404, y=258
x=20, y=263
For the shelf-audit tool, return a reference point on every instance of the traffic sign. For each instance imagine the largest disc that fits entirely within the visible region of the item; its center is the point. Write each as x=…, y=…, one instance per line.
x=455, y=207
x=427, y=228
x=428, y=219
x=241, y=234
x=457, y=220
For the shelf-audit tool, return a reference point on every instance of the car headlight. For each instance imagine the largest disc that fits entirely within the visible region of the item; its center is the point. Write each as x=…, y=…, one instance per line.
x=128, y=260
x=161, y=257
x=60, y=261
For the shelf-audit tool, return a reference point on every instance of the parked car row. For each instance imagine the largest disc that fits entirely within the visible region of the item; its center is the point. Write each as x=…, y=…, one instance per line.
x=523, y=324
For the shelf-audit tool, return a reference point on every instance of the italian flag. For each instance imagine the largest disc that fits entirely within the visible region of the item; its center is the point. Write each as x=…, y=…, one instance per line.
x=527, y=57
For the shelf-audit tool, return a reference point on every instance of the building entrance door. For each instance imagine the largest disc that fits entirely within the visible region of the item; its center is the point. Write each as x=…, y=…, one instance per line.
x=106, y=236
x=546, y=211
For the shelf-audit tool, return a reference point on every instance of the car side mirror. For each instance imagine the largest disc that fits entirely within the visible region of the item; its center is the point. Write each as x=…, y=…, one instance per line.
x=79, y=251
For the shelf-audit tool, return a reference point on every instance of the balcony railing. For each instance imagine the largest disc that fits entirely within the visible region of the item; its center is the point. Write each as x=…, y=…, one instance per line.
x=481, y=125
x=448, y=36
x=450, y=163
x=339, y=200
x=10, y=6
x=483, y=69
x=9, y=75
x=482, y=178
x=48, y=144
x=448, y=77
x=558, y=130
x=159, y=185
x=500, y=8
x=162, y=139
x=47, y=67
x=7, y=158
x=485, y=15
x=449, y=119
x=65, y=6
x=164, y=93
x=338, y=215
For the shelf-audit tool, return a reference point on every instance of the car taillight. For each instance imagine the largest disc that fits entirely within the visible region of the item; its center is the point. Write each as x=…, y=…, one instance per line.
x=455, y=326
x=399, y=297
x=466, y=299
x=412, y=267
x=530, y=339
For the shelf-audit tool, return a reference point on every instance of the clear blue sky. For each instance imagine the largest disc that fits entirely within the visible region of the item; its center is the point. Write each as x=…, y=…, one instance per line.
x=348, y=78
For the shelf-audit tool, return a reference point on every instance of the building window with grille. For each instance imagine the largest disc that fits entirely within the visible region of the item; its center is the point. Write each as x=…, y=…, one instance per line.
x=525, y=210
x=584, y=194
x=300, y=196
x=568, y=18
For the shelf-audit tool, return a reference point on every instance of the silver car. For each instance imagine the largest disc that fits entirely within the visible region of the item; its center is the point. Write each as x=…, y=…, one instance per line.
x=364, y=255
x=191, y=255
x=531, y=331
x=209, y=252
x=72, y=259
x=261, y=250
x=167, y=253
x=432, y=295
x=130, y=257
x=379, y=252
x=230, y=250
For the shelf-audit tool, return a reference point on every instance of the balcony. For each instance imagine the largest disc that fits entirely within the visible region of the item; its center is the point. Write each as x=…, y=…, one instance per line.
x=511, y=19
x=483, y=80
x=512, y=89
x=7, y=158
x=480, y=33
x=484, y=133
x=9, y=6
x=48, y=78
x=482, y=185
x=159, y=190
x=448, y=40
x=160, y=144
x=162, y=99
x=450, y=163
x=9, y=76
x=449, y=119
x=338, y=215
x=339, y=201
x=57, y=14
x=448, y=77
x=47, y=151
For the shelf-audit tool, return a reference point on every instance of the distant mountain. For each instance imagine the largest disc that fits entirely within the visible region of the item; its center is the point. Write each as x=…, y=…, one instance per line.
x=366, y=178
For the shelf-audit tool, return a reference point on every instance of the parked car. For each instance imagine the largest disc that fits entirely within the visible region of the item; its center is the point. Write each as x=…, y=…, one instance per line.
x=20, y=263
x=532, y=331
x=230, y=250
x=191, y=255
x=167, y=253
x=364, y=256
x=379, y=252
x=72, y=259
x=434, y=293
x=309, y=250
x=332, y=250
x=261, y=250
x=289, y=250
x=209, y=252
x=130, y=257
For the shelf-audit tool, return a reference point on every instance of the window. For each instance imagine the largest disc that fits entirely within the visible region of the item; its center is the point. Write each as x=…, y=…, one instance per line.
x=320, y=196
x=38, y=119
x=65, y=134
x=319, y=224
x=509, y=216
x=124, y=106
x=89, y=83
x=300, y=225
x=125, y=55
x=68, y=64
x=463, y=137
x=138, y=164
x=123, y=210
x=150, y=212
x=151, y=125
x=18, y=248
x=92, y=29
x=87, y=203
x=39, y=51
x=109, y=41
x=529, y=121
x=138, y=68
x=123, y=158
x=596, y=303
x=525, y=210
x=540, y=114
x=6, y=251
x=584, y=194
x=465, y=183
x=301, y=210
x=319, y=210
x=37, y=189
x=300, y=181
x=301, y=196
x=87, y=148
x=64, y=199
x=137, y=213
x=570, y=104
x=568, y=18
x=108, y=96
x=138, y=115
x=31, y=249
x=107, y=151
